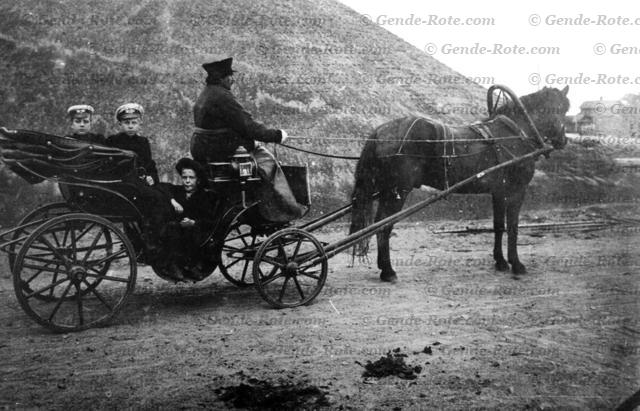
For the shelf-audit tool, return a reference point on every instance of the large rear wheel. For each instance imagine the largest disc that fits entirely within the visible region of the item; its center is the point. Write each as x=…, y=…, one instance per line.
x=74, y=272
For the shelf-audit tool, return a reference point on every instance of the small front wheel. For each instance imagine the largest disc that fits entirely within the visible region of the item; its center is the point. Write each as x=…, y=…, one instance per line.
x=290, y=268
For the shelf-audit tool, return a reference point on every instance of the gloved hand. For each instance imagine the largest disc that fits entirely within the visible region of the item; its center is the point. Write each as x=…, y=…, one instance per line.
x=284, y=136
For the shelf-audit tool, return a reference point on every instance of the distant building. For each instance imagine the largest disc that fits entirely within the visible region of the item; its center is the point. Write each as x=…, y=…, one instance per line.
x=570, y=124
x=600, y=117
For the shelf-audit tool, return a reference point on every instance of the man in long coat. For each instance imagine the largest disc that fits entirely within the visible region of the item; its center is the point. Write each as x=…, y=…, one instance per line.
x=222, y=125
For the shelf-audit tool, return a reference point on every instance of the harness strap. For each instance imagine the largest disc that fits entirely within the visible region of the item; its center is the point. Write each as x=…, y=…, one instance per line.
x=406, y=134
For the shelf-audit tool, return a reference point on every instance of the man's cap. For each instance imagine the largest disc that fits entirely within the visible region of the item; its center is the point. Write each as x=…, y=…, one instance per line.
x=80, y=110
x=129, y=111
x=219, y=69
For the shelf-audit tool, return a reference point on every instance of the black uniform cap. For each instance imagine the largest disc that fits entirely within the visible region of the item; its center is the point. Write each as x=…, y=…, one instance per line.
x=219, y=69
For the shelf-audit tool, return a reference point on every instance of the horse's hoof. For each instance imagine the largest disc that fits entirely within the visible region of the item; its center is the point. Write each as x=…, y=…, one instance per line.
x=389, y=278
x=502, y=265
x=518, y=269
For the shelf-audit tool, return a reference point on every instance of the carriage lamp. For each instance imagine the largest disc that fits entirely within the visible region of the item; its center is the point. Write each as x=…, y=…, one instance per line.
x=245, y=170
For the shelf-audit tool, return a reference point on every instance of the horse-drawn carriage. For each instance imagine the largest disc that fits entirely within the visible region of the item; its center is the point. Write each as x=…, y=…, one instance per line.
x=74, y=262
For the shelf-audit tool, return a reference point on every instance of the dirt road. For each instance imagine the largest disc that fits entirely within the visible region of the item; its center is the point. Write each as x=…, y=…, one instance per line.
x=565, y=335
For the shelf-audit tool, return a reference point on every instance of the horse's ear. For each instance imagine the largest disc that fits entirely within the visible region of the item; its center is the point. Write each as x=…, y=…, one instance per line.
x=565, y=90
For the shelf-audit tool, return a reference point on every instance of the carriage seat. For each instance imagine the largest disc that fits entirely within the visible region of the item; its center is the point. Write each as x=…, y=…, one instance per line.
x=241, y=170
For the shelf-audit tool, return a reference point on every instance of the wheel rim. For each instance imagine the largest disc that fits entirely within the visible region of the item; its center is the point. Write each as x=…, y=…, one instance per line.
x=237, y=254
x=290, y=268
x=74, y=272
x=43, y=214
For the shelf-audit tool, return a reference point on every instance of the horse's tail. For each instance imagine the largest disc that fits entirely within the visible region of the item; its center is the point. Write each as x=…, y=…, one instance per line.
x=363, y=192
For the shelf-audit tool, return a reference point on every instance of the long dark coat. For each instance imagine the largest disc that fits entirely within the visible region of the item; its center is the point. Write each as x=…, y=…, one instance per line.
x=230, y=126
x=140, y=146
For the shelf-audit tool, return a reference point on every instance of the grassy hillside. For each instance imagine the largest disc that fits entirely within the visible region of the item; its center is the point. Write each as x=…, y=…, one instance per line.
x=314, y=68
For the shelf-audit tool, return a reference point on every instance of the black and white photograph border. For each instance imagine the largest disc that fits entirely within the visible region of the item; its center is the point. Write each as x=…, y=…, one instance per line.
x=296, y=204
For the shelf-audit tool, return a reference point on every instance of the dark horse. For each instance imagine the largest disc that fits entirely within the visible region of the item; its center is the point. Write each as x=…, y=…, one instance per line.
x=409, y=152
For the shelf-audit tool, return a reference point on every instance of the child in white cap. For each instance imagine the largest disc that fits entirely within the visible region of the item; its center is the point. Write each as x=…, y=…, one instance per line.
x=80, y=117
x=129, y=117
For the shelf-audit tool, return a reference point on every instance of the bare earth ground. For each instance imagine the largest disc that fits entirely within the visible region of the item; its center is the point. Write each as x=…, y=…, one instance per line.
x=564, y=336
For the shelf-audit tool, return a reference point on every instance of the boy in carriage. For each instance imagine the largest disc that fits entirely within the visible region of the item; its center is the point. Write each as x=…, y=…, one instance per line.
x=80, y=116
x=152, y=198
x=222, y=125
x=129, y=117
x=193, y=211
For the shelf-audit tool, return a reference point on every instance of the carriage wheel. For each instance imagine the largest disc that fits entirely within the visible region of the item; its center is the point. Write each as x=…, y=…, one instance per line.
x=290, y=268
x=237, y=254
x=84, y=265
x=41, y=214
x=38, y=217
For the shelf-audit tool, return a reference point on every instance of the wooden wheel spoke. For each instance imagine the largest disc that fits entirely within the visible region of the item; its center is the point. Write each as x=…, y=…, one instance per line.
x=45, y=261
x=97, y=294
x=92, y=247
x=105, y=246
x=52, y=248
x=295, y=281
x=266, y=280
x=310, y=275
x=83, y=233
x=231, y=248
x=55, y=278
x=60, y=301
x=116, y=256
x=40, y=272
x=55, y=238
x=38, y=267
x=48, y=287
x=106, y=277
x=74, y=242
x=273, y=262
x=297, y=249
x=244, y=270
x=79, y=302
x=236, y=261
x=281, y=252
x=35, y=247
x=282, y=290
x=66, y=237
x=242, y=237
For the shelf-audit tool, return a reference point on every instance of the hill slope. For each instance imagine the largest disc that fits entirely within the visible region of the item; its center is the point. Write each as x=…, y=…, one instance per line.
x=314, y=68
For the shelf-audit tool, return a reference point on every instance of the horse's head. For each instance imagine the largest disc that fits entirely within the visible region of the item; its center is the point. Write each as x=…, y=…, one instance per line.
x=548, y=108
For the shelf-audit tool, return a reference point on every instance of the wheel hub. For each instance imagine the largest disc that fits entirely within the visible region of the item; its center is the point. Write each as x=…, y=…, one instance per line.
x=291, y=269
x=77, y=273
